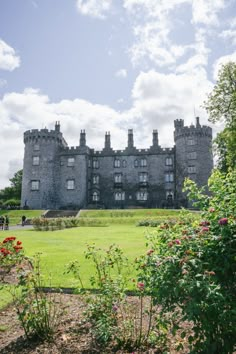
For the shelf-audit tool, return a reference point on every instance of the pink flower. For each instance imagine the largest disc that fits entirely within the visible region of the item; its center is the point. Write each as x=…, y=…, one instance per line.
x=205, y=229
x=140, y=286
x=178, y=242
x=223, y=221
x=149, y=252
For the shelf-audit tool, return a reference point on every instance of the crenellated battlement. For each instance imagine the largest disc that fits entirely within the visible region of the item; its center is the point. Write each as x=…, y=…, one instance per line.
x=192, y=130
x=43, y=135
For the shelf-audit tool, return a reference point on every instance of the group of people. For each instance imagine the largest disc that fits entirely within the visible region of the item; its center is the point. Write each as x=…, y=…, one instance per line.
x=4, y=222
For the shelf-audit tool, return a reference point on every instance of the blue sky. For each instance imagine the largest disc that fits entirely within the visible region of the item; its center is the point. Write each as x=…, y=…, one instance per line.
x=107, y=65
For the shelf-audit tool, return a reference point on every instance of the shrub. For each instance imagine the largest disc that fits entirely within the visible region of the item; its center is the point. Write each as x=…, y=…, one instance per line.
x=11, y=255
x=38, y=312
x=191, y=269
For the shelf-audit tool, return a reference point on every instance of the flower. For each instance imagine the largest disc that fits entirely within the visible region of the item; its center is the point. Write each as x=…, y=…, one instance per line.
x=204, y=223
x=114, y=308
x=205, y=229
x=149, y=252
x=18, y=243
x=140, y=286
x=178, y=242
x=223, y=221
x=211, y=210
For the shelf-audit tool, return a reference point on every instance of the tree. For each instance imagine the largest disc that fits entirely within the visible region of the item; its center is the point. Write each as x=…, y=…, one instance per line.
x=14, y=191
x=221, y=107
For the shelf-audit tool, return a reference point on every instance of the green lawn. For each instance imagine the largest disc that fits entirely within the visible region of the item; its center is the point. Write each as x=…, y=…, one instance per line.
x=60, y=247
x=15, y=215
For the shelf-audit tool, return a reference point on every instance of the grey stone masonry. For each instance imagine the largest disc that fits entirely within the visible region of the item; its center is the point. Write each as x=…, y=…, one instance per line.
x=56, y=176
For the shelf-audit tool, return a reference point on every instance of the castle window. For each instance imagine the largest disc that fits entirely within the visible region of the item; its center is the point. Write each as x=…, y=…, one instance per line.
x=120, y=196
x=169, y=177
x=70, y=184
x=136, y=163
x=143, y=162
x=192, y=155
x=143, y=177
x=191, y=169
x=118, y=178
x=34, y=185
x=124, y=163
x=95, y=197
x=95, y=179
x=169, y=161
x=35, y=160
x=36, y=147
x=117, y=163
x=95, y=163
x=142, y=196
x=191, y=141
x=71, y=161
x=169, y=194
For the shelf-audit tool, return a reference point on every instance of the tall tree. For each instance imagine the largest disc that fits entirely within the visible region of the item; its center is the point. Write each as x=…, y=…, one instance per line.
x=14, y=191
x=221, y=107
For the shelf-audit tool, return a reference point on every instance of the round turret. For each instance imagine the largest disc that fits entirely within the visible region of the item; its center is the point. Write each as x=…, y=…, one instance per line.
x=193, y=153
x=39, y=184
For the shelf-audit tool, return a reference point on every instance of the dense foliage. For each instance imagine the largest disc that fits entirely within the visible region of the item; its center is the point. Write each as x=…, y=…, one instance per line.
x=221, y=107
x=11, y=195
x=190, y=269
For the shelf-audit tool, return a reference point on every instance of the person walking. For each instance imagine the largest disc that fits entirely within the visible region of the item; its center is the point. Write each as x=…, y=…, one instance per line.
x=23, y=219
x=1, y=222
x=6, y=222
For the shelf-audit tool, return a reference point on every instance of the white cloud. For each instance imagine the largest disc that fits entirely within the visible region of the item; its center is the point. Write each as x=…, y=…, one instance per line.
x=229, y=35
x=158, y=99
x=8, y=58
x=122, y=73
x=94, y=8
x=206, y=11
x=221, y=61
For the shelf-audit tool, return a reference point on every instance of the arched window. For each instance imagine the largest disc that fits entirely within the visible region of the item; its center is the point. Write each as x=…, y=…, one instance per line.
x=143, y=162
x=124, y=163
x=120, y=196
x=95, y=196
x=95, y=179
x=169, y=161
x=135, y=163
x=95, y=163
x=142, y=195
x=117, y=163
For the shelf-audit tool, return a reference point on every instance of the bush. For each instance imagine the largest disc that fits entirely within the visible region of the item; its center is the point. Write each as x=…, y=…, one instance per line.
x=191, y=269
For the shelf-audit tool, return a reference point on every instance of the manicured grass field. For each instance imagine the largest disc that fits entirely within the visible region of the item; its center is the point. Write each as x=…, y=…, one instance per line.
x=15, y=215
x=58, y=248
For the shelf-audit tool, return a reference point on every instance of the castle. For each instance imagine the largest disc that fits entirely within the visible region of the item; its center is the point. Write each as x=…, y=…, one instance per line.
x=56, y=176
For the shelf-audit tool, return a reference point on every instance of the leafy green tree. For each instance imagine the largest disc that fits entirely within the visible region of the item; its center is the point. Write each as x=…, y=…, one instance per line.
x=221, y=107
x=14, y=191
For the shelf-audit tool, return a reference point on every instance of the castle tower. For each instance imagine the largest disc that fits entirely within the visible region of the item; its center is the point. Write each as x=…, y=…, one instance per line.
x=193, y=154
x=41, y=166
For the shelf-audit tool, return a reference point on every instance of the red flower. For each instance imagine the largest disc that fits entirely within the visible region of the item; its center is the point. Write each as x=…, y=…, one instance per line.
x=19, y=243
x=223, y=221
x=205, y=229
x=140, y=286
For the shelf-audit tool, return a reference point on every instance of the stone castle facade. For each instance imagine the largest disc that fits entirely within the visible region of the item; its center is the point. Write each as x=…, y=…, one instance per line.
x=56, y=176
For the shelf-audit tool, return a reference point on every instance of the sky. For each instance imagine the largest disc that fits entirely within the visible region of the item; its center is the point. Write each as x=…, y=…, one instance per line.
x=108, y=65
